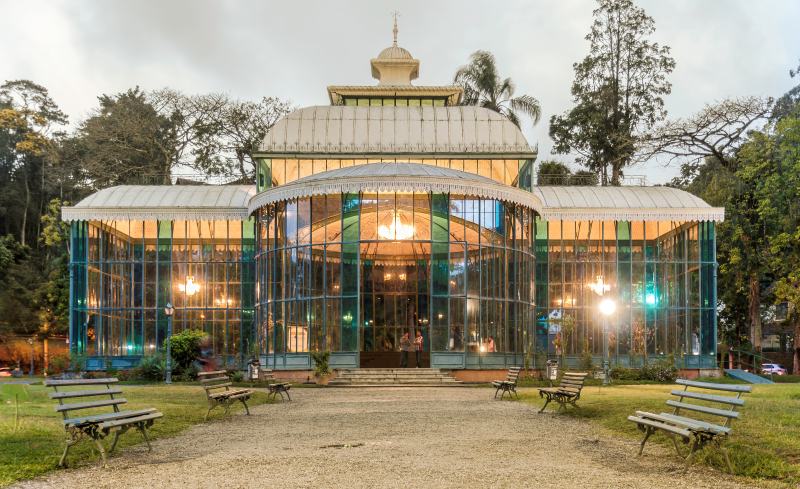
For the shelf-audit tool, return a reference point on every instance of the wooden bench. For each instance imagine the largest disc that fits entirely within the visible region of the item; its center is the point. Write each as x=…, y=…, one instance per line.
x=279, y=388
x=568, y=390
x=103, y=393
x=508, y=385
x=686, y=427
x=217, y=385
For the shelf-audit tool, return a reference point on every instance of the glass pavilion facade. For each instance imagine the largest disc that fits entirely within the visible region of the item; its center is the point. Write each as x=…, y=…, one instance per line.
x=395, y=210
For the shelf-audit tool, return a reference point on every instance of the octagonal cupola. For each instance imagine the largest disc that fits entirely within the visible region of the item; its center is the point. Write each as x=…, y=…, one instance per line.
x=395, y=66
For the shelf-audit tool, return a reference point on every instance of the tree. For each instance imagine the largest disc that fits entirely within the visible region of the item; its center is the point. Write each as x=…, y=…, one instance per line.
x=788, y=102
x=29, y=130
x=617, y=91
x=716, y=131
x=553, y=173
x=483, y=87
x=125, y=134
x=242, y=126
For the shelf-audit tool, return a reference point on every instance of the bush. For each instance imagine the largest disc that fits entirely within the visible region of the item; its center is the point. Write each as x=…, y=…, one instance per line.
x=661, y=371
x=185, y=348
x=321, y=359
x=236, y=375
x=152, y=367
x=58, y=364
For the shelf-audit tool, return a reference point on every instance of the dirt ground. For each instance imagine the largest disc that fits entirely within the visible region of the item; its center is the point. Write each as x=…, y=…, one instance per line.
x=393, y=437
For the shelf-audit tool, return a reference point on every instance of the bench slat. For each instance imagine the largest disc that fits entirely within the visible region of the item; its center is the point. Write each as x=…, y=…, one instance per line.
x=91, y=404
x=99, y=392
x=696, y=422
x=213, y=372
x=52, y=383
x=228, y=393
x=127, y=421
x=686, y=434
x=719, y=387
x=215, y=379
x=703, y=409
x=107, y=416
x=216, y=386
x=709, y=397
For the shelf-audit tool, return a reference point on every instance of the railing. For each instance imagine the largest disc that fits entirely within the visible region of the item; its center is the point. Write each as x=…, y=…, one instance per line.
x=746, y=360
x=561, y=179
x=188, y=179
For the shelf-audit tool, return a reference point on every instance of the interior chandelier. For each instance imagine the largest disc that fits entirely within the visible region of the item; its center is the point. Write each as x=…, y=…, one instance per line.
x=190, y=287
x=396, y=229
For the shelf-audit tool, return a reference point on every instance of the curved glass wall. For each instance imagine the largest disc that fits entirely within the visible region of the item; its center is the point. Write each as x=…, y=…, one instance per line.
x=124, y=272
x=353, y=272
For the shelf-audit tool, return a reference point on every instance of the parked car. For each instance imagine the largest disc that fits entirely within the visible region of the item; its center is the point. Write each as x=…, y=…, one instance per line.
x=5, y=372
x=773, y=368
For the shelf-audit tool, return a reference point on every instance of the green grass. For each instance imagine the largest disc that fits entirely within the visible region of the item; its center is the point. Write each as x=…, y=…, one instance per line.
x=765, y=443
x=35, y=447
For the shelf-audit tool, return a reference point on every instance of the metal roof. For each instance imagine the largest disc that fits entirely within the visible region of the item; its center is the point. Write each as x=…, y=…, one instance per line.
x=394, y=177
x=395, y=130
x=624, y=203
x=207, y=202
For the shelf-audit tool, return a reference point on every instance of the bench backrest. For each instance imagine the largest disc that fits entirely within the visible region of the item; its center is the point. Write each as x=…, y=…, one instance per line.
x=217, y=379
x=84, y=394
x=573, y=381
x=513, y=374
x=722, y=406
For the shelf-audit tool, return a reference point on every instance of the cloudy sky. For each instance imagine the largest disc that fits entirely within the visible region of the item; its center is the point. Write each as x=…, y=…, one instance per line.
x=293, y=50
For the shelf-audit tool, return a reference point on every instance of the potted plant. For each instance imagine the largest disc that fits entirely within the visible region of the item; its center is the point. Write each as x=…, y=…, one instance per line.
x=322, y=370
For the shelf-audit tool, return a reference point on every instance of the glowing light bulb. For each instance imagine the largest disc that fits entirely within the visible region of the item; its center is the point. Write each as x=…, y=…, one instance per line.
x=396, y=229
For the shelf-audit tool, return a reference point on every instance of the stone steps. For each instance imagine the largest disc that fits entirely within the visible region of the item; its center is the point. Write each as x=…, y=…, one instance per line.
x=392, y=377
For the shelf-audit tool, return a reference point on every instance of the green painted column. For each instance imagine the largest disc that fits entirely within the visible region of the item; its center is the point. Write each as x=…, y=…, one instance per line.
x=248, y=292
x=351, y=206
x=541, y=282
x=163, y=278
x=77, y=287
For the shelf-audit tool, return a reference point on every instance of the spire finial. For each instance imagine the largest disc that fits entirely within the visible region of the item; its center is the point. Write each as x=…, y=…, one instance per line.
x=395, y=14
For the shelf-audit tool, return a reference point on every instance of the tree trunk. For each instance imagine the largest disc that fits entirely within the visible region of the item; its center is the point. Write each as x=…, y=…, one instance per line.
x=754, y=312
x=25, y=210
x=796, y=362
x=615, y=175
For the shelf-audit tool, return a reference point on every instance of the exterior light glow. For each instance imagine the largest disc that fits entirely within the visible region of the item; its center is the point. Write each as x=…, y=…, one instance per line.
x=607, y=307
x=396, y=230
x=190, y=287
x=650, y=299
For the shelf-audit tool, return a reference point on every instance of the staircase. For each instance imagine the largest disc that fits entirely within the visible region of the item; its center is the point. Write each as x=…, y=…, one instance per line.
x=746, y=376
x=393, y=377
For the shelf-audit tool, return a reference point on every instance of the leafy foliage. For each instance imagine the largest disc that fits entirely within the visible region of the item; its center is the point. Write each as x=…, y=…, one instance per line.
x=321, y=359
x=618, y=91
x=483, y=87
x=152, y=367
x=185, y=348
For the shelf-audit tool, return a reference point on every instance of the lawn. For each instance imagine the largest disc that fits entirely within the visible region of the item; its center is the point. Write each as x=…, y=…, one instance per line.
x=35, y=447
x=765, y=443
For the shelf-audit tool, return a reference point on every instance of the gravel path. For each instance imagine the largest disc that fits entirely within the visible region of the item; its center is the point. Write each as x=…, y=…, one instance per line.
x=393, y=437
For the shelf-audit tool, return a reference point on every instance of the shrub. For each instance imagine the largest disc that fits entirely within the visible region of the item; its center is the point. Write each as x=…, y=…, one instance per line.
x=661, y=371
x=152, y=367
x=236, y=375
x=321, y=359
x=185, y=348
x=58, y=364
x=587, y=362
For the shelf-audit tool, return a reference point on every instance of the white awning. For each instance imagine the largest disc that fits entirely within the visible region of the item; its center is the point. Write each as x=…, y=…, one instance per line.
x=330, y=130
x=624, y=204
x=395, y=177
x=164, y=202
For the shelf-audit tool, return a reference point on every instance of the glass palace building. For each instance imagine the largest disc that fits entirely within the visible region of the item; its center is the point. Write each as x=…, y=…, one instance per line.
x=395, y=210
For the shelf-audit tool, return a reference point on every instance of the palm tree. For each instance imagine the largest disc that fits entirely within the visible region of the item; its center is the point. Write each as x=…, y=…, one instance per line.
x=483, y=86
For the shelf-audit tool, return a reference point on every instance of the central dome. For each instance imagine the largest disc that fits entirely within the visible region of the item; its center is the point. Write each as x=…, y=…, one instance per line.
x=395, y=52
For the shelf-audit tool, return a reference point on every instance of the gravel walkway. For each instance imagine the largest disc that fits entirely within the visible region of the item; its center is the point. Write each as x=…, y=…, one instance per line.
x=393, y=437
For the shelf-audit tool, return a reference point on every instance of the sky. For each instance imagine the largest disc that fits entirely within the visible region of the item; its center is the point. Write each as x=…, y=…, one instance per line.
x=294, y=50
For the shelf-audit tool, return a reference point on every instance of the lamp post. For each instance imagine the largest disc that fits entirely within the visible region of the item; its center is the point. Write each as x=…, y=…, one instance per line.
x=169, y=311
x=607, y=308
x=33, y=350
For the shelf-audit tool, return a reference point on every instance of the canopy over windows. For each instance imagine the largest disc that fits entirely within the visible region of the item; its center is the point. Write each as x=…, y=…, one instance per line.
x=395, y=177
x=390, y=130
x=164, y=202
x=623, y=204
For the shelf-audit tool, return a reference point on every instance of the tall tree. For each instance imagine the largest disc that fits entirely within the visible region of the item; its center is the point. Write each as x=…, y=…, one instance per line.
x=242, y=126
x=124, y=141
x=617, y=91
x=484, y=87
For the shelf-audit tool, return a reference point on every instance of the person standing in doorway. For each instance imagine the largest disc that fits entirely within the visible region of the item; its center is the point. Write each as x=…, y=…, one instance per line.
x=405, y=347
x=418, y=342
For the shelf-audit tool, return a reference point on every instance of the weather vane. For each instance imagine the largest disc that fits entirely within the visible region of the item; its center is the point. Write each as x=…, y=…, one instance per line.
x=395, y=14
